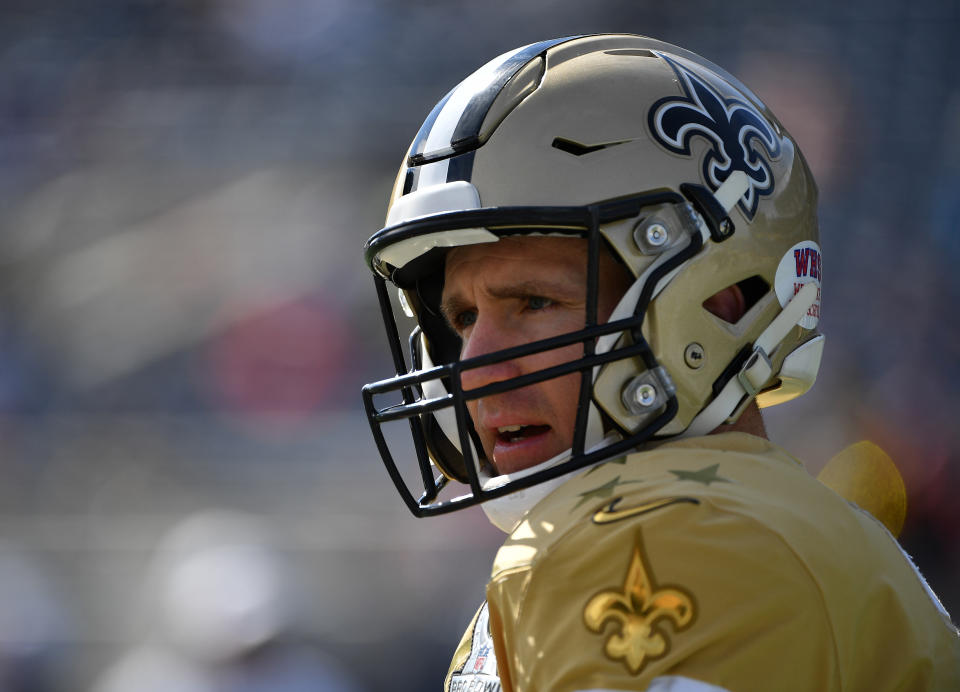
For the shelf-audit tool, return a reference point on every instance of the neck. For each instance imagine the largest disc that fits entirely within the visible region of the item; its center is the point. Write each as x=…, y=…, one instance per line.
x=750, y=421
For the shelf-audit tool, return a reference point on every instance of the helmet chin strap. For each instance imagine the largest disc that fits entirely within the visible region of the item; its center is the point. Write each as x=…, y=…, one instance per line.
x=756, y=372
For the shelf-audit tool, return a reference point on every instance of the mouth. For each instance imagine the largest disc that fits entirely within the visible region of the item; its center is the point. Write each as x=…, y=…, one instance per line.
x=518, y=447
x=509, y=434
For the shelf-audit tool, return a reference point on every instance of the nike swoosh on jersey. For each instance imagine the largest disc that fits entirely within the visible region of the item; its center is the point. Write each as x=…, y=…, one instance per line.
x=612, y=512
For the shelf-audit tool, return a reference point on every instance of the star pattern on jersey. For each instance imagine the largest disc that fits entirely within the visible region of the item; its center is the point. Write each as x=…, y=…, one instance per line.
x=621, y=461
x=706, y=475
x=602, y=492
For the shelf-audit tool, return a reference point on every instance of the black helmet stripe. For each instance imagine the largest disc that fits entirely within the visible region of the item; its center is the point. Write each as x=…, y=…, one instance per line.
x=447, y=170
x=453, y=126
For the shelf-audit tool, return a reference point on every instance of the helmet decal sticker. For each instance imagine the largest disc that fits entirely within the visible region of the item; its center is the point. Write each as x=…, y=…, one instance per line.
x=800, y=265
x=740, y=138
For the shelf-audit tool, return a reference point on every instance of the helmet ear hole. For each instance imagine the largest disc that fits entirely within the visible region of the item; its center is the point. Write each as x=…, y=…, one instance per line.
x=733, y=302
x=728, y=304
x=753, y=289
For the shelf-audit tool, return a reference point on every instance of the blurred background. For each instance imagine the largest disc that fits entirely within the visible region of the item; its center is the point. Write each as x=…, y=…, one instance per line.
x=186, y=319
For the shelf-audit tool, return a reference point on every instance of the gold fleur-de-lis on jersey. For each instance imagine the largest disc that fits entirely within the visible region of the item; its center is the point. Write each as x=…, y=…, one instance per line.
x=638, y=612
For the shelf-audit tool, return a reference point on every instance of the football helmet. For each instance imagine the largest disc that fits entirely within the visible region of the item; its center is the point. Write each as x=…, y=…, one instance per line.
x=647, y=151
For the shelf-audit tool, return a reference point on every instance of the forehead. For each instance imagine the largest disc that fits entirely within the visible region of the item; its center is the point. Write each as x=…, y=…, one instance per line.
x=530, y=256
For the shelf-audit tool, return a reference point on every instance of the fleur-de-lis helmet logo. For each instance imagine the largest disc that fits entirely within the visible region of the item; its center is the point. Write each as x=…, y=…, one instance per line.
x=740, y=138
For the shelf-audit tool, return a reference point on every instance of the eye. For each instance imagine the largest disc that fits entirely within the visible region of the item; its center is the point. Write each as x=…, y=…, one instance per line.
x=464, y=319
x=538, y=302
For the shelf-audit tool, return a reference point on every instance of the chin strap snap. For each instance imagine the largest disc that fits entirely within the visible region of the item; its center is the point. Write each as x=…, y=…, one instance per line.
x=757, y=370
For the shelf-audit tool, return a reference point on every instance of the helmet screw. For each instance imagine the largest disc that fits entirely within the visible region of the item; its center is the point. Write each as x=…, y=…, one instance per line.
x=694, y=356
x=646, y=391
x=645, y=395
x=656, y=234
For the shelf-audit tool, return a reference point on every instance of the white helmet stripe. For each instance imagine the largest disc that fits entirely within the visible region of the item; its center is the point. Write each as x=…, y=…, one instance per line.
x=454, y=124
x=441, y=134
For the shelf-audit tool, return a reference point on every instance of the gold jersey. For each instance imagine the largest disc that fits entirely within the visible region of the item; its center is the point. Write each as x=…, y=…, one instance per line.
x=715, y=563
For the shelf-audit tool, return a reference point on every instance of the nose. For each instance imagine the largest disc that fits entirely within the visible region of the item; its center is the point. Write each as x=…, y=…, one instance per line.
x=487, y=336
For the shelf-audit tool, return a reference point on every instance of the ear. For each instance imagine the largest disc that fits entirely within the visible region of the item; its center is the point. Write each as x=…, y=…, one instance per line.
x=729, y=304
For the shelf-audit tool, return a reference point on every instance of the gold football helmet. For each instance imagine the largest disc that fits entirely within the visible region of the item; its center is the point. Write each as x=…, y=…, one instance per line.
x=673, y=165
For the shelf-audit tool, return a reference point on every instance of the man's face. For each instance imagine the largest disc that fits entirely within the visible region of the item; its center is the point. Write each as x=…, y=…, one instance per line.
x=513, y=292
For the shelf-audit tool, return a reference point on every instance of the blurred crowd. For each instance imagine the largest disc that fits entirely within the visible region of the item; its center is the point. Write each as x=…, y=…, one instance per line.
x=186, y=320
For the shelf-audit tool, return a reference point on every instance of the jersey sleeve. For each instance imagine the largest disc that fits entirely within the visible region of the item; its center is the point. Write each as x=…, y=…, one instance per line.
x=684, y=590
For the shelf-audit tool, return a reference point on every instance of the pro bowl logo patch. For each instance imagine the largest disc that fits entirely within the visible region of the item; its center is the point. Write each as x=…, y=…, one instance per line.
x=740, y=138
x=479, y=671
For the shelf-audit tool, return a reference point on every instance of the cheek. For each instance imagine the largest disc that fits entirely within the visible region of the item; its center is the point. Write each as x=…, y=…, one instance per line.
x=560, y=388
x=546, y=359
x=563, y=394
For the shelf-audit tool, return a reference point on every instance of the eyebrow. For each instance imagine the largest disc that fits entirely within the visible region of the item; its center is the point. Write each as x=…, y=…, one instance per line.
x=453, y=305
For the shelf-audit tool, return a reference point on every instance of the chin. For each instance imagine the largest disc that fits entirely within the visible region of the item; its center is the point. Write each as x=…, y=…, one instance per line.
x=514, y=460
